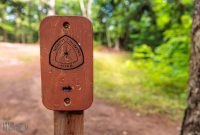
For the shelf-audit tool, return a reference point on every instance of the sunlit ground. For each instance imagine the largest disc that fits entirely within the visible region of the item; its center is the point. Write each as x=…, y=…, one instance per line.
x=117, y=82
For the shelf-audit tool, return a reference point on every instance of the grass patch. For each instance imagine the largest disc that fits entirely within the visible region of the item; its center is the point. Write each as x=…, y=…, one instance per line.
x=117, y=81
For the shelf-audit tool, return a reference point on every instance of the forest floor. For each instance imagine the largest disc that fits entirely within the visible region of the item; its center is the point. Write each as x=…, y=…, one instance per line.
x=21, y=107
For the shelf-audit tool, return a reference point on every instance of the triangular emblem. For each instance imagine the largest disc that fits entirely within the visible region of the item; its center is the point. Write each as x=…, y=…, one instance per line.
x=66, y=54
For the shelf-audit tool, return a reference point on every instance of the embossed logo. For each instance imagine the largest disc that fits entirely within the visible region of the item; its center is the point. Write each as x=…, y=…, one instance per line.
x=66, y=54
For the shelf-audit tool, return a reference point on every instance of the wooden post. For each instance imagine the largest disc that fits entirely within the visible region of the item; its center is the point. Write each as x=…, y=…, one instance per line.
x=68, y=122
x=66, y=49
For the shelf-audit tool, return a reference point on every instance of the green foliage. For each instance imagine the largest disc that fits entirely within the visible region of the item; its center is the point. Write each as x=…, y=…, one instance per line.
x=67, y=7
x=139, y=22
x=166, y=67
x=165, y=71
x=20, y=20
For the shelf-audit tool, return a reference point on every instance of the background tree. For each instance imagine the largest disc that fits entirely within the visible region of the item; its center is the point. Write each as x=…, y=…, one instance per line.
x=86, y=8
x=20, y=20
x=51, y=10
x=191, y=122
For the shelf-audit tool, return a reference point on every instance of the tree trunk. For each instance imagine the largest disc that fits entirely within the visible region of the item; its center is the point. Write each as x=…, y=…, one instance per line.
x=40, y=4
x=86, y=9
x=17, y=36
x=83, y=9
x=5, y=36
x=23, y=38
x=31, y=37
x=89, y=9
x=126, y=36
x=51, y=7
x=191, y=121
x=117, y=45
x=108, y=37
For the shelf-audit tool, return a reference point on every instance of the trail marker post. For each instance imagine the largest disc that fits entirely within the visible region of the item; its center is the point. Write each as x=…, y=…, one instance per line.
x=66, y=50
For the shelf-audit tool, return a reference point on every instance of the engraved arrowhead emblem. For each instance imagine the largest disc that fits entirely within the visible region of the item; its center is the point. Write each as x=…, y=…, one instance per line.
x=66, y=54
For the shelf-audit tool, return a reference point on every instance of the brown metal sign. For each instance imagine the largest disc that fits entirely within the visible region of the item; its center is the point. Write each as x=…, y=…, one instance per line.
x=66, y=49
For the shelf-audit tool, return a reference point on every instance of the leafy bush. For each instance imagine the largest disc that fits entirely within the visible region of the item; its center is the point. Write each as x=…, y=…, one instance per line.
x=166, y=67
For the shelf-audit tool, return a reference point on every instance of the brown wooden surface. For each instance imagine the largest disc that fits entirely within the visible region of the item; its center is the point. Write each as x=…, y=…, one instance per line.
x=68, y=123
x=60, y=69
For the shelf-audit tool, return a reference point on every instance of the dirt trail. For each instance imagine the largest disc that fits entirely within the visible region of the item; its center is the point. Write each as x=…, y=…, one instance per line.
x=20, y=103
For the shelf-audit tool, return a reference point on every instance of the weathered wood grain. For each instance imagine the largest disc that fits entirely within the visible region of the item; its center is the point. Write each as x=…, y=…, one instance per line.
x=68, y=123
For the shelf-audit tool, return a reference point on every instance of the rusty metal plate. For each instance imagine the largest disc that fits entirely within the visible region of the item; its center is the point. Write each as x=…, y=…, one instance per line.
x=66, y=50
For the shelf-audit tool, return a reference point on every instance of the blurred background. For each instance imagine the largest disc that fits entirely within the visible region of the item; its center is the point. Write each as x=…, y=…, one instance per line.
x=141, y=58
